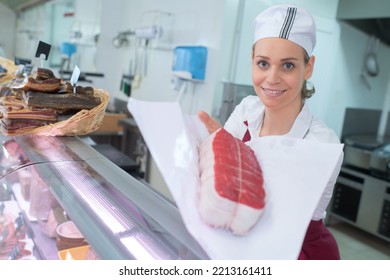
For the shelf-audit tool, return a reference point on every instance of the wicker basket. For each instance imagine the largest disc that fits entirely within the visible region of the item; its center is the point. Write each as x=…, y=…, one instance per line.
x=11, y=70
x=83, y=122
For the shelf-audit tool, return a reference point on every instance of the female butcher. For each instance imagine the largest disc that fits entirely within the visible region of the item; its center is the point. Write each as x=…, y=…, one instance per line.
x=282, y=63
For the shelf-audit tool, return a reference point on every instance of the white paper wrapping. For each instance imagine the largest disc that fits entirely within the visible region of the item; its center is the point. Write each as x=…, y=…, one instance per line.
x=295, y=173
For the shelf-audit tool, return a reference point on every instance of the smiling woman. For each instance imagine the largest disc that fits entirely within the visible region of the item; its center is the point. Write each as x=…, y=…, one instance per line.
x=279, y=72
x=282, y=62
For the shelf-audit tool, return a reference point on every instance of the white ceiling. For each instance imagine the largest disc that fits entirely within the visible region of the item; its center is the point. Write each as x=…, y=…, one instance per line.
x=18, y=5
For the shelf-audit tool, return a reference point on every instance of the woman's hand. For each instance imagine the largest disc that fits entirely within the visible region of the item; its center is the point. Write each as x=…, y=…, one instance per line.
x=211, y=124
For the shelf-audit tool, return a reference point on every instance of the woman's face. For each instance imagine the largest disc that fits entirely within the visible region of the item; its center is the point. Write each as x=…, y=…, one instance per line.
x=279, y=71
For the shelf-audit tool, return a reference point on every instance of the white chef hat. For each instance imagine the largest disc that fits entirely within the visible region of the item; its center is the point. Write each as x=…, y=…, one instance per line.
x=288, y=22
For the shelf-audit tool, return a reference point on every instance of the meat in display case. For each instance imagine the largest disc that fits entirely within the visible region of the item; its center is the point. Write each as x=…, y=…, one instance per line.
x=112, y=215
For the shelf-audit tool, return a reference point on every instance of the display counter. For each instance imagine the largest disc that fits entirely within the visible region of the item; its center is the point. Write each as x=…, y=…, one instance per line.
x=120, y=216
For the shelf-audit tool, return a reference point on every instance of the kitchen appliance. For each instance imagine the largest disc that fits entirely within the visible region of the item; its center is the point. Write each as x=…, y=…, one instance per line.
x=231, y=96
x=368, y=152
x=362, y=200
x=380, y=159
x=358, y=149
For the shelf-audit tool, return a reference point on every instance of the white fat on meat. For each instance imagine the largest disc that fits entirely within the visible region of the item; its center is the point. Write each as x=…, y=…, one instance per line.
x=231, y=194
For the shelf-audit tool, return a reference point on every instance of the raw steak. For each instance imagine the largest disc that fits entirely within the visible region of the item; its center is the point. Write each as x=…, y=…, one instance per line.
x=231, y=193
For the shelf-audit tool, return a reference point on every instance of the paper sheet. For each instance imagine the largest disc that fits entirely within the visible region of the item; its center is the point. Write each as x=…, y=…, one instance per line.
x=295, y=173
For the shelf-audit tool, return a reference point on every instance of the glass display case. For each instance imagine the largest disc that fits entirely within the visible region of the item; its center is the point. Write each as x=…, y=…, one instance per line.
x=52, y=181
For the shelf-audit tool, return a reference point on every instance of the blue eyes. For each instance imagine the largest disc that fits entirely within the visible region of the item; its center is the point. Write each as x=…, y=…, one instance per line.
x=289, y=66
x=262, y=64
x=286, y=66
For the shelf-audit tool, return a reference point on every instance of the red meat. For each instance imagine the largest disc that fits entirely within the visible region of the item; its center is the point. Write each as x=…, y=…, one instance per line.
x=232, y=194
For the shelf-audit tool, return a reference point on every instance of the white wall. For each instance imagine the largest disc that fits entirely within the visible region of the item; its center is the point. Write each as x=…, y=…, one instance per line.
x=7, y=30
x=194, y=23
x=32, y=26
x=48, y=22
x=347, y=87
x=86, y=20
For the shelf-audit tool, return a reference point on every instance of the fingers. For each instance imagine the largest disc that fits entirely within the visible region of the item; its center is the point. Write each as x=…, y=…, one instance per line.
x=203, y=116
x=211, y=124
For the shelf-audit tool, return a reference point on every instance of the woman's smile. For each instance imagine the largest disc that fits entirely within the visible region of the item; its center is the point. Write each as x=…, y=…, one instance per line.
x=272, y=92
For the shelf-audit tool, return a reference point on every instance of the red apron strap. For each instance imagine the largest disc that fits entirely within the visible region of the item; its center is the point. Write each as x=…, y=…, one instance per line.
x=247, y=135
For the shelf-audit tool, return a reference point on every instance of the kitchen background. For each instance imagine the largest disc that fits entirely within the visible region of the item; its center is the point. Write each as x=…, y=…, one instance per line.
x=223, y=26
x=103, y=32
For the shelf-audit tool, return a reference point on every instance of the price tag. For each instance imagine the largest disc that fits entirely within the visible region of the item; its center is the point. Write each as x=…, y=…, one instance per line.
x=43, y=50
x=75, y=77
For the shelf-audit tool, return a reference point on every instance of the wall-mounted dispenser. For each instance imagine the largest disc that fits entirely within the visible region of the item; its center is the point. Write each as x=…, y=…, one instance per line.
x=189, y=63
x=67, y=49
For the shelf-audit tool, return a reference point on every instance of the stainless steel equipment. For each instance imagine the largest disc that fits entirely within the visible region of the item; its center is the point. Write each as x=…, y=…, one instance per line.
x=363, y=201
x=361, y=194
x=368, y=152
x=380, y=159
x=232, y=95
x=358, y=149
